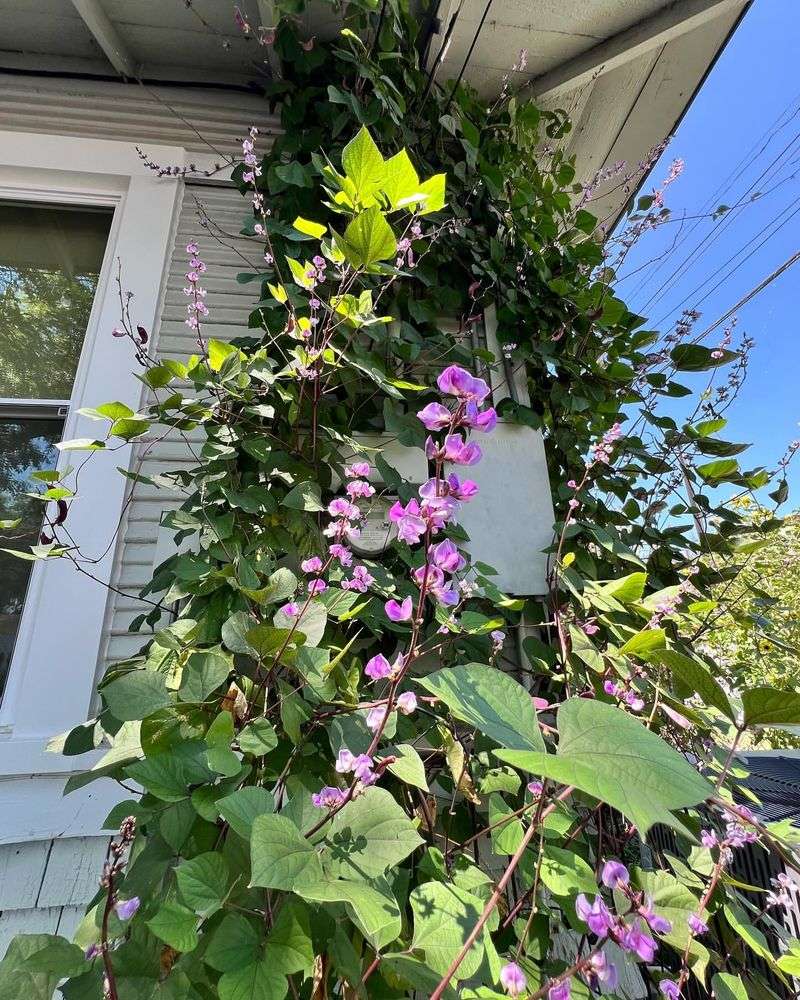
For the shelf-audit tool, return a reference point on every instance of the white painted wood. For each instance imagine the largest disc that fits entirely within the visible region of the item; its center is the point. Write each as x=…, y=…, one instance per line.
x=34, y=809
x=13, y=922
x=22, y=868
x=73, y=606
x=674, y=20
x=73, y=871
x=68, y=920
x=106, y=35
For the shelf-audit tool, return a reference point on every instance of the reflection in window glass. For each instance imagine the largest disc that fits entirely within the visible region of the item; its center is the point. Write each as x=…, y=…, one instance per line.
x=50, y=262
x=50, y=259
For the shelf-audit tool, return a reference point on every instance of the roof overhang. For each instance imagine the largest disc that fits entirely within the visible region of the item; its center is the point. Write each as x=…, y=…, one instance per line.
x=624, y=70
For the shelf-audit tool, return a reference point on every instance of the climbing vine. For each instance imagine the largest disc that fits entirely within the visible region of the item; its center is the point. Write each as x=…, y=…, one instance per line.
x=342, y=778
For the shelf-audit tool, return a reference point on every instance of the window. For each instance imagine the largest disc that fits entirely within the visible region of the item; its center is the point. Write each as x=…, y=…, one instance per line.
x=51, y=258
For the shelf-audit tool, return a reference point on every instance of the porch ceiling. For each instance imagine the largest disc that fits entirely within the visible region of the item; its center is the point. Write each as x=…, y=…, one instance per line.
x=625, y=70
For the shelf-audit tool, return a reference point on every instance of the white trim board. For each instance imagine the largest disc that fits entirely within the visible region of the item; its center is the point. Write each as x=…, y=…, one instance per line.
x=53, y=668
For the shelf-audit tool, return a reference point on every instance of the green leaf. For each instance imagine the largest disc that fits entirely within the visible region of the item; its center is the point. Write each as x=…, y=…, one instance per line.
x=565, y=873
x=409, y=766
x=696, y=358
x=491, y=701
x=506, y=838
x=627, y=589
x=176, y=926
x=314, y=229
x=259, y=981
x=401, y=184
x=218, y=351
x=695, y=676
x=204, y=672
x=368, y=239
x=129, y=427
x=311, y=622
x=80, y=444
x=203, y=882
x=728, y=987
x=33, y=965
x=240, y=808
x=234, y=632
x=674, y=901
x=281, y=856
x=289, y=945
x=234, y=944
x=434, y=189
x=644, y=642
x=612, y=756
x=304, y=496
x=721, y=468
x=258, y=738
x=266, y=639
x=444, y=915
x=766, y=706
x=751, y=935
x=136, y=695
x=370, y=834
x=363, y=165
x=372, y=907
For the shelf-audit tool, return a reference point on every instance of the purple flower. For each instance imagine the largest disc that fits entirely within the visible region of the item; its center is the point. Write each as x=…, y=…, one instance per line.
x=399, y=612
x=658, y=924
x=633, y=700
x=456, y=381
x=357, y=469
x=291, y=610
x=125, y=908
x=312, y=565
x=512, y=979
x=375, y=717
x=614, y=873
x=697, y=925
x=597, y=915
x=535, y=788
x=362, y=767
x=460, y=453
x=341, y=553
x=407, y=703
x=639, y=943
x=447, y=557
x=344, y=762
x=480, y=420
x=601, y=971
x=708, y=838
x=378, y=667
x=670, y=989
x=327, y=797
x=317, y=586
x=560, y=991
x=360, y=488
x=589, y=628
x=435, y=417
x=192, y=248
x=340, y=507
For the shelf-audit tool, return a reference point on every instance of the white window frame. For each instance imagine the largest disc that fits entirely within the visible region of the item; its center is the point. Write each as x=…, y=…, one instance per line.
x=52, y=671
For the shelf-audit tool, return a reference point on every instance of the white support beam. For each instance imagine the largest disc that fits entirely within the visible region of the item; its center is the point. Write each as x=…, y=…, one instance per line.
x=677, y=18
x=106, y=36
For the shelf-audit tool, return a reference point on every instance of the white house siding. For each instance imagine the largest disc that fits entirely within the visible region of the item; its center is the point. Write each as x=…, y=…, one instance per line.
x=142, y=541
x=46, y=884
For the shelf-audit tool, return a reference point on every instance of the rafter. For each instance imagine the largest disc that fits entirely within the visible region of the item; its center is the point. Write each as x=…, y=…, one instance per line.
x=106, y=36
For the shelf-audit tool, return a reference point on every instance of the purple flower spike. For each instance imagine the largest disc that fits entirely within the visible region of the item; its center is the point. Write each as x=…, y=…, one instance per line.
x=435, y=417
x=399, y=612
x=125, y=908
x=614, y=873
x=513, y=980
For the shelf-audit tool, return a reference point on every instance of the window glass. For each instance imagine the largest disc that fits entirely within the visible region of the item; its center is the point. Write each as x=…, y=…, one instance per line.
x=50, y=262
x=50, y=259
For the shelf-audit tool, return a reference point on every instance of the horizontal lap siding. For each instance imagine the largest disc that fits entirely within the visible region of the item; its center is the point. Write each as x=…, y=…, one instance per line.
x=229, y=305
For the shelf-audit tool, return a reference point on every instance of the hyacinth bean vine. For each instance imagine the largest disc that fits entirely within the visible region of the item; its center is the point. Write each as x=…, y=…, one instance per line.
x=342, y=782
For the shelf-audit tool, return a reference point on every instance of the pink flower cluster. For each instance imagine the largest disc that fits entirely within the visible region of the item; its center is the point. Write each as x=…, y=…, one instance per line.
x=629, y=695
x=250, y=160
x=601, y=452
x=197, y=307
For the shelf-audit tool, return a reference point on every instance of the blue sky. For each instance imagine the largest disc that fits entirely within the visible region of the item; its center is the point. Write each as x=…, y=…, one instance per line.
x=739, y=137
